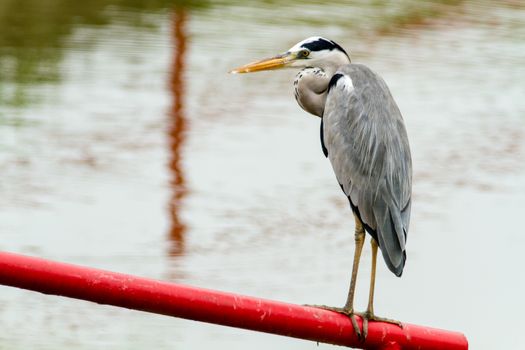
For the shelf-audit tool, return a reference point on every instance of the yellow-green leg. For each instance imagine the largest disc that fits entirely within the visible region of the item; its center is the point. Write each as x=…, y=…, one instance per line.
x=348, y=309
x=369, y=315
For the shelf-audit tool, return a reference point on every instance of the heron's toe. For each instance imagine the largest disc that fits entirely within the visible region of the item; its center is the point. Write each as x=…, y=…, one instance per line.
x=370, y=317
x=347, y=312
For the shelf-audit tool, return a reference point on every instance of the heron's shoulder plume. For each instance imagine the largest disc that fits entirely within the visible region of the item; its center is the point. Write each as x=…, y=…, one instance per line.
x=340, y=77
x=334, y=80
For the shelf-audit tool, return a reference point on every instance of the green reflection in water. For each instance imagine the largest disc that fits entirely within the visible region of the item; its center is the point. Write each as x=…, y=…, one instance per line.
x=34, y=36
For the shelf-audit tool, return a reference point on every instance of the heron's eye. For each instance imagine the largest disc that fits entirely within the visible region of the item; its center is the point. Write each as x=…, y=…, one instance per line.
x=303, y=53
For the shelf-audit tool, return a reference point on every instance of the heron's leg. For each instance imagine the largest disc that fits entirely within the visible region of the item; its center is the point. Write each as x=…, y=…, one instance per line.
x=359, y=242
x=370, y=309
x=348, y=309
x=369, y=313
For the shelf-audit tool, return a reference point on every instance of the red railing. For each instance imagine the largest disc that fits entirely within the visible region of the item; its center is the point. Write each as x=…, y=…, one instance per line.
x=132, y=292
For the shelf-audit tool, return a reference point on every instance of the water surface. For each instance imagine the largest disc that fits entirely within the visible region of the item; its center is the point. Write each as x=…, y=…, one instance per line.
x=125, y=145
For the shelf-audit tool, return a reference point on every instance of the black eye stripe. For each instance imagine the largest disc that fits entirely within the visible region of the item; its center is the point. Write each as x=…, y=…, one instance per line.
x=323, y=44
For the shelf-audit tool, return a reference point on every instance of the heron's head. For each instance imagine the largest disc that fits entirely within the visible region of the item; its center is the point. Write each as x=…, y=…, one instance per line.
x=312, y=52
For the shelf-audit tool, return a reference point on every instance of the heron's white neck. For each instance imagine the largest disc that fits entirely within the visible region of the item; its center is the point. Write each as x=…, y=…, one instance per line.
x=311, y=83
x=333, y=62
x=310, y=87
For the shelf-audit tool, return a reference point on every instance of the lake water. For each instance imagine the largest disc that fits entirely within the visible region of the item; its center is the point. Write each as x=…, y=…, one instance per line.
x=125, y=145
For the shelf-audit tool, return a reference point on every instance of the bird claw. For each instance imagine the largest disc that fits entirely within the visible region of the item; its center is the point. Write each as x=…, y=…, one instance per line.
x=369, y=316
x=366, y=316
x=347, y=312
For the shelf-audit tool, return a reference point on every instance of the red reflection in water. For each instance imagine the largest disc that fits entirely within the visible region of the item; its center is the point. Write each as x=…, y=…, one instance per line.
x=176, y=132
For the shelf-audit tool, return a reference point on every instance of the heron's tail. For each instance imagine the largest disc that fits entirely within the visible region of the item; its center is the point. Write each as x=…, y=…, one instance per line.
x=392, y=227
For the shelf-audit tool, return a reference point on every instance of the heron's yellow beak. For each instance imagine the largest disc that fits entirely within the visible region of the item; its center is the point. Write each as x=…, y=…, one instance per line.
x=276, y=62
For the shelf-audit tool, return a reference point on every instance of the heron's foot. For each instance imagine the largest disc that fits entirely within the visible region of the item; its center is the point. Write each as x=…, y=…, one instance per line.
x=345, y=311
x=368, y=316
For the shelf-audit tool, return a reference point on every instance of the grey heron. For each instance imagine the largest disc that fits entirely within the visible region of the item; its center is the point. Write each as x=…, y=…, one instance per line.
x=364, y=137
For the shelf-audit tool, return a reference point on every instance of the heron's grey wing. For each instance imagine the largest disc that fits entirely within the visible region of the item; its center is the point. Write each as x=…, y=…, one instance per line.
x=366, y=141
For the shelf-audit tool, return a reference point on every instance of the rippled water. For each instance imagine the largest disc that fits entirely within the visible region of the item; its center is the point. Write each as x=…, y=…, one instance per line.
x=125, y=145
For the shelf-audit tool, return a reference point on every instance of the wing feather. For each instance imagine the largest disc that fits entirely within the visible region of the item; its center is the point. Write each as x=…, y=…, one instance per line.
x=366, y=141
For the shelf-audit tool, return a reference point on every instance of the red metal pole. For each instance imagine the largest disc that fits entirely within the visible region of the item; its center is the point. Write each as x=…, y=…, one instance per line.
x=205, y=305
